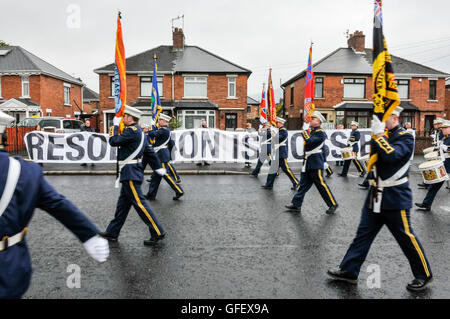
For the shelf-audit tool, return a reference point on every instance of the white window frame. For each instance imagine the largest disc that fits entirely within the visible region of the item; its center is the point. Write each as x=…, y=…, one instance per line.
x=67, y=86
x=403, y=85
x=315, y=87
x=25, y=80
x=111, y=84
x=196, y=79
x=181, y=115
x=353, y=82
x=232, y=81
x=160, y=85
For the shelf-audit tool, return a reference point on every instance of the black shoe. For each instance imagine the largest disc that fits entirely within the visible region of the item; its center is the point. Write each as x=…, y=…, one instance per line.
x=148, y=180
x=363, y=186
x=206, y=163
x=362, y=174
x=92, y=164
x=419, y=284
x=422, y=185
x=108, y=237
x=177, y=196
x=293, y=208
x=266, y=187
x=423, y=207
x=149, y=198
x=84, y=164
x=295, y=187
x=254, y=175
x=199, y=164
x=342, y=175
x=332, y=209
x=342, y=275
x=153, y=240
x=328, y=174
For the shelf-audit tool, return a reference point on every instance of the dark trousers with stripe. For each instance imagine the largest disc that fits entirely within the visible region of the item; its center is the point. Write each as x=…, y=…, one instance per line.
x=172, y=171
x=156, y=180
x=398, y=223
x=131, y=195
x=285, y=167
x=329, y=170
x=357, y=163
x=307, y=179
x=433, y=189
x=260, y=163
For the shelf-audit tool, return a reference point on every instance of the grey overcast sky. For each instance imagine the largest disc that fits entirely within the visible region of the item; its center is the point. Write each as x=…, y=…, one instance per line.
x=255, y=34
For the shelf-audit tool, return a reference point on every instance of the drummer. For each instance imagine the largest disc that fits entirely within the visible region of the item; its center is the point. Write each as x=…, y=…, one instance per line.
x=434, y=188
x=437, y=136
x=353, y=142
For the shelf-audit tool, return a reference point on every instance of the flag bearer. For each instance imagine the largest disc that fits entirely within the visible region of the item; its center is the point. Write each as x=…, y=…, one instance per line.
x=162, y=140
x=312, y=171
x=132, y=145
x=388, y=203
x=22, y=189
x=280, y=148
x=355, y=136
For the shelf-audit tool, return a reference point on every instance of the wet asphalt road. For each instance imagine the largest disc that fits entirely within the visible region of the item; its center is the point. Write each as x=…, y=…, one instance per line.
x=228, y=238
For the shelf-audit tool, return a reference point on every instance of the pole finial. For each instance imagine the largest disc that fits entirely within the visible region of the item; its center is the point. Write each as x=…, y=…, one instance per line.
x=154, y=56
x=119, y=14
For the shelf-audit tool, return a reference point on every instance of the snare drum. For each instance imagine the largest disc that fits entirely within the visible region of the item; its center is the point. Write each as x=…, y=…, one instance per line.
x=428, y=150
x=432, y=156
x=433, y=172
x=347, y=153
x=365, y=160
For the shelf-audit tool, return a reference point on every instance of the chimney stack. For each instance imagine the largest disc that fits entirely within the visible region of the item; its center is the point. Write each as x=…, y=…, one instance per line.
x=178, y=39
x=357, y=41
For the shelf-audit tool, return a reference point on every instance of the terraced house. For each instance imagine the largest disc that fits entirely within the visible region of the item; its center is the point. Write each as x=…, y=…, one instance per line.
x=344, y=89
x=193, y=85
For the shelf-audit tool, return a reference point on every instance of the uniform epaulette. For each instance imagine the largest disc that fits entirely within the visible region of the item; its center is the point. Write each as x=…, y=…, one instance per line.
x=132, y=127
x=111, y=131
x=320, y=130
x=28, y=160
x=405, y=132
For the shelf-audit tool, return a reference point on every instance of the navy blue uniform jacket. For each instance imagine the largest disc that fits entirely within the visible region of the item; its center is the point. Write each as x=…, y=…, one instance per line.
x=161, y=135
x=394, y=152
x=313, y=140
x=128, y=142
x=355, y=136
x=282, y=138
x=32, y=191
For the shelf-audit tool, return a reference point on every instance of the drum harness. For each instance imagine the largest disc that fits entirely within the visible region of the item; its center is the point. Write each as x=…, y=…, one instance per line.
x=8, y=192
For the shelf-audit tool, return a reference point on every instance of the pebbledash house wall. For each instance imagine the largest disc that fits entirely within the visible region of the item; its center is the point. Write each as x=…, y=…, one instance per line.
x=217, y=92
x=333, y=93
x=44, y=90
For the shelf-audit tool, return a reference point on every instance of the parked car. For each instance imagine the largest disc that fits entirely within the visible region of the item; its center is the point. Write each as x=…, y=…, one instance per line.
x=29, y=122
x=60, y=125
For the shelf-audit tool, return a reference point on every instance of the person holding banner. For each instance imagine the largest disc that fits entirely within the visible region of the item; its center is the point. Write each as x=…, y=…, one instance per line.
x=132, y=145
x=281, y=150
x=394, y=198
x=23, y=188
x=444, y=147
x=162, y=139
x=265, y=150
x=355, y=136
x=313, y=165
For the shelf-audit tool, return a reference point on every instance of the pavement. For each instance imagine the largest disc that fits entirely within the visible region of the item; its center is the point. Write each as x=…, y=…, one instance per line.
x=228, y=238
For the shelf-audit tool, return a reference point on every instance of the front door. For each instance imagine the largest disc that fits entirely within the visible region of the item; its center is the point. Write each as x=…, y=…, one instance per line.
x=429, y=124
x=230, y=121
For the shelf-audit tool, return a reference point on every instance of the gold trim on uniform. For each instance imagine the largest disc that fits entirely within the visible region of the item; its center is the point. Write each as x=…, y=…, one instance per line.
x=326, y=188
x=384, y=145
x=138, y=201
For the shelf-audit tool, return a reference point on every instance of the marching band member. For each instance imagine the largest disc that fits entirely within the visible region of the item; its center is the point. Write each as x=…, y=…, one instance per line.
x=313, y=165
x=388, y=202
x=132, y=146
x=444, y=147
x=353, y=142
x=23, y=188
x=161, y=145
x=265, y=149
x=437, y=136
x=282, y=148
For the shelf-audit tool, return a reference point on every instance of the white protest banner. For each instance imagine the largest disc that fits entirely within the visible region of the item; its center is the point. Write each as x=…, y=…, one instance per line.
x=195, y=145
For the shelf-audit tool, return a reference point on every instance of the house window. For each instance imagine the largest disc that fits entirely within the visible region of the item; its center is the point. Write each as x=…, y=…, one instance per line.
x=403, y=89
x=25, y=86
x=195, y=86
x=112, y=86
x=193, y=119
x=66, y=94
x=147, y=86
x=318, y=91
x=355, y=88
x=407, y=117
x=292, y=95
x=361, y=117
x=249, y=109
x=432, y=89
x=232, y=87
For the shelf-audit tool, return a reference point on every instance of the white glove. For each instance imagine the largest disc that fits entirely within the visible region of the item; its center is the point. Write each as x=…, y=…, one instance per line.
x=117, y=120
x=98, y=248
x=273, y=131
x=161, y=171
x=377, y=126
x=305, y=126
x=444, y=147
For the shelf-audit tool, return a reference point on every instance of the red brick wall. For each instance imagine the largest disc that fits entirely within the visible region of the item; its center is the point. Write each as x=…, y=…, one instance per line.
x=217, y=92
x=12, y=87
x=447, y=101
